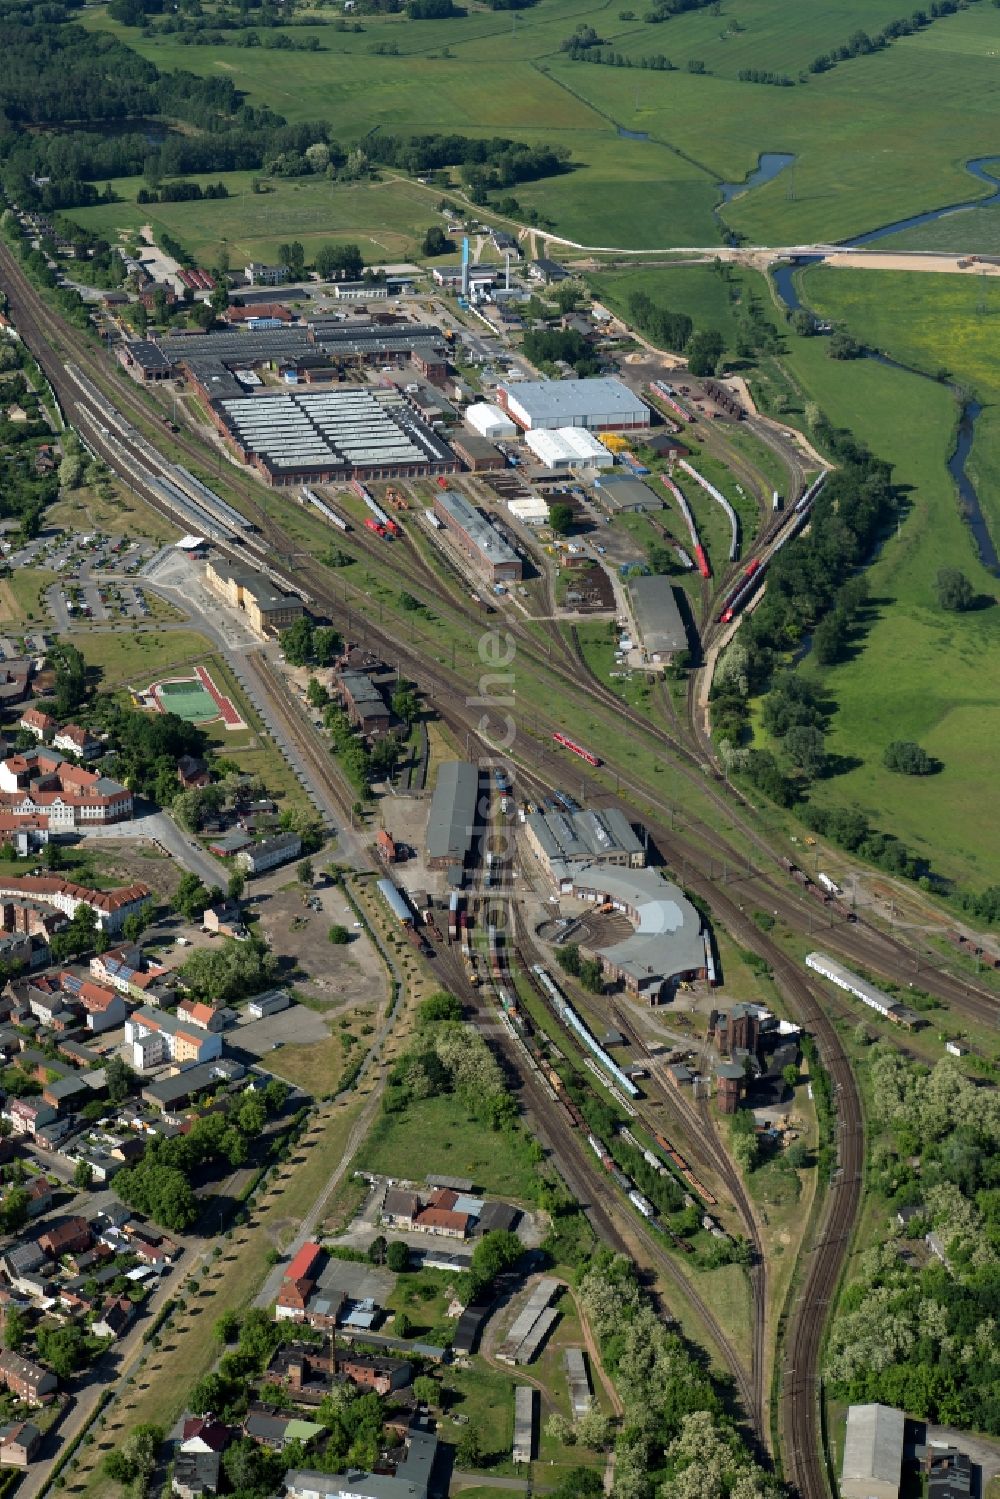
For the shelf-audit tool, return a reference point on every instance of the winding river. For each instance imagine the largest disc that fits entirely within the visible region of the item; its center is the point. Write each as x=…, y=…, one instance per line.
x=784, y=281
x=977, y=166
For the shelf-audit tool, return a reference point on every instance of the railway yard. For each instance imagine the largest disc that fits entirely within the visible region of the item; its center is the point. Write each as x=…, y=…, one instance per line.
x=506, y=683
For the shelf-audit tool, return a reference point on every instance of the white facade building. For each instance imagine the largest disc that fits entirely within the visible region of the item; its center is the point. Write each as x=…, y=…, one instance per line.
x=568, y=448
x=489, y=421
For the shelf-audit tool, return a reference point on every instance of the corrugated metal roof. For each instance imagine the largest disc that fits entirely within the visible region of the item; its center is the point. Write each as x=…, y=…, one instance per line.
x=452, y=818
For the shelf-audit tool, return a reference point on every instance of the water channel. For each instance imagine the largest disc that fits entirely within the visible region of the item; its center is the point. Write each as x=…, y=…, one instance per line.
x=971, y=510
x=978, y=169
x=769, y=165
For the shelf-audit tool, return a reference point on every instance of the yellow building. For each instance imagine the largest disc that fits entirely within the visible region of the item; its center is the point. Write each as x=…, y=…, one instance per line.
x=267, y=611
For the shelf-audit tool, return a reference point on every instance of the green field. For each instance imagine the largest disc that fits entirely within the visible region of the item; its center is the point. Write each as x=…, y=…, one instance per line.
x=439, y=1135
x=920, y=674
x=387, y=219
x=876, y=139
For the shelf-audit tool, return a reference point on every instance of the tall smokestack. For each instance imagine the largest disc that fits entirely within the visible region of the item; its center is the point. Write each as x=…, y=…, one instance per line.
x=465, y=266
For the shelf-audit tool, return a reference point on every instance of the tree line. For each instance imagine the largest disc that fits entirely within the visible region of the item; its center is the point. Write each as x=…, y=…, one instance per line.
x=861, y=44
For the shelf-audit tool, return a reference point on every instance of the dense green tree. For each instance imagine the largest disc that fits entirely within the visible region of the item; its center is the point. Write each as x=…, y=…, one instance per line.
x=436, y=242
x=954, y=590
x=704, y=350
x=560, y=518
x=397, y=1257
x=907, y=758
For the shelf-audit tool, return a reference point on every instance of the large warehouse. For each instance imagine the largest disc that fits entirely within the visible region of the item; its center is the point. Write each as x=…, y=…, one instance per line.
x=323, y=436
x=873, y=1453
x=490, y=554
x=657, y=617
x=667, y=946
x=452, y=820
x=568, y=447
x=604, y=404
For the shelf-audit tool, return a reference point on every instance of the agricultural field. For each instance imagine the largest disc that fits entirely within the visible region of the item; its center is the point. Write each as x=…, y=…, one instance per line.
x=877, y=138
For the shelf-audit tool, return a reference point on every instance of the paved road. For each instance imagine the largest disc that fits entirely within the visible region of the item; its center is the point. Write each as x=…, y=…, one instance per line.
x=159, y=827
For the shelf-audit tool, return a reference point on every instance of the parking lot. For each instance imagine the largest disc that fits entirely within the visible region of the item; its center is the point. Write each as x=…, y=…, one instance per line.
x=95, y=572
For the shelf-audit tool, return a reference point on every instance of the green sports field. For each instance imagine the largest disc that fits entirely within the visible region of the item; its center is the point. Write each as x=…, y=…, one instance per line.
x=189, y=700
x=877, y=138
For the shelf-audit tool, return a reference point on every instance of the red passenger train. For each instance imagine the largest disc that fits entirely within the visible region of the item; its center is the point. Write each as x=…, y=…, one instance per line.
x=576, y=749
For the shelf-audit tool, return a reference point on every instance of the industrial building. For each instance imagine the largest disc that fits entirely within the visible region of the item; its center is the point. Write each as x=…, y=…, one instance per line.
x=323, y=436
x=604, y=404
x=657, y=616
x=489, y=421
x=477, y=453
x=533, y=1325
x=873, y=1453
x=568, y=447
x=577, y=1378
x=623, y=496
x=489, y=553
x=383, y=343
x=267, y=610
x=667, y=945
x=730, y=1081
x=529, y=509
x=523, y=1450
x=605, y=837
x=366, y=708
x=452, y=820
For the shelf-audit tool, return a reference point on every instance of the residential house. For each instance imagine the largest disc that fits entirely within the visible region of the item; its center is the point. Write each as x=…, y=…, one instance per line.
x=258, y=274
x=73, y=740
x=195, y=1473
x=27, y=1115
x=205, y=1017
x=158, y=1036
x=19, y=1443
x=116, y=1316
x=104, y=1010
x=39, y=1196
x=28, y=1381
x=204, y=1434
x=269, y=853
x=225, y=919
x=67, y=1237
x=193, y=772
x=111, y=907
x=22, y=1259
x=400, y=1208
x=42, y=725
x=277, y=1432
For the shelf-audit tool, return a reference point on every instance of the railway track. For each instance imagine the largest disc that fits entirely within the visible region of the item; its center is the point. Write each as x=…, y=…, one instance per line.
x=45, y=334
